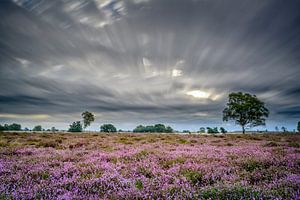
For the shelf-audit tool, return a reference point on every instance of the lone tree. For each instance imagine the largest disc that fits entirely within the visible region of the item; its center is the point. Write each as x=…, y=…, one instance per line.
x=88, y=118
x=246, y=110
x=298, y=127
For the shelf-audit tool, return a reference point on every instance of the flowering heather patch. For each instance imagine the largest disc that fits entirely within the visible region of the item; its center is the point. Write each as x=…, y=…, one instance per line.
x=149, y=166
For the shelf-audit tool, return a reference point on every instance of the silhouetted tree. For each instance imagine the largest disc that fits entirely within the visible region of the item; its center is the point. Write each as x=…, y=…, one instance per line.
x=212, y=130
x=157, y=128
x=276, y=128
x=11, y=127
x=53, y=129
x=108, y=128
x=298, y=127
x=88, y=118
x=223, y=130
x=75, y=127
x=202, y=130
x=284, y=129
x=246, y=110
x=169, y=129
x=37, y=128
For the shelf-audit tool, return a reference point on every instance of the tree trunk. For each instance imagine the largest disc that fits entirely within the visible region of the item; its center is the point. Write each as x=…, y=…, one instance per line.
x=243, y=129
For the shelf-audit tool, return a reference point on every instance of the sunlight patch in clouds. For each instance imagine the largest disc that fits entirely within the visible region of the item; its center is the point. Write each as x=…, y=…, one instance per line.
x=198, y=94
x=25, y=116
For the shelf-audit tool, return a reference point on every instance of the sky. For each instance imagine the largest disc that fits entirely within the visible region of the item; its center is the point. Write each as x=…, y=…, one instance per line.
x=147, y=61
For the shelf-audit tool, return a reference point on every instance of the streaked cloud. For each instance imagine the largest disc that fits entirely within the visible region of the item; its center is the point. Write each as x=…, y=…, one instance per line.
x=137, y=61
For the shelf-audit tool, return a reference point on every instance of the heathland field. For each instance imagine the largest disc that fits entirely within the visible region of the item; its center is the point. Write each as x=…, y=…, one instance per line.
x=149, y=166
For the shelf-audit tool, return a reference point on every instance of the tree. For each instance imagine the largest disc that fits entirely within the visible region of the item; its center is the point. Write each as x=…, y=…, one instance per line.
x=37, y=128
x=212, y=130
x=157, y=128
x=298, y=127
x=88, y=118
x=284, y=129
x=108, y=128
x=202, y=130
x=53, y=129
x=14, y=127
x=169, y=129
x=186, y=131
x=223, y=130
x=276, y=128
x=75, y=127
x=246, y=110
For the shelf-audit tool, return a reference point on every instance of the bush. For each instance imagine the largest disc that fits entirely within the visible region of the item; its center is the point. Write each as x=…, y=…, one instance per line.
x=194, y=177
x=294, y=144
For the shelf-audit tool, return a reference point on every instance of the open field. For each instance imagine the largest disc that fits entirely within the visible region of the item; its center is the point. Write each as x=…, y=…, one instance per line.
x=149, y=166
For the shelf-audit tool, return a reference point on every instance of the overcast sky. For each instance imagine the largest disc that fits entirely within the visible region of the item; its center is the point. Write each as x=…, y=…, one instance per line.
x=147, y=61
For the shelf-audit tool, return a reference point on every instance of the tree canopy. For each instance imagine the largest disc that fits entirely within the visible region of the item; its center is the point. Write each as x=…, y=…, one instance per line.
x=88, y=118
x=75, y=127
x=11, y=127
x=108, y=128
x=37, y=128
x=246, y=110
x=157, y=128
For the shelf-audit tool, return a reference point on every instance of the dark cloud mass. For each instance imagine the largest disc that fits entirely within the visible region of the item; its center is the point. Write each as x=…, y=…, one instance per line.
x=147, y=61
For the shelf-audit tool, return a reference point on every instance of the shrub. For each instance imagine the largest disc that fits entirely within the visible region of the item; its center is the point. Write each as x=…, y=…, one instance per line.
x=294, y=144
x=139, y=184
x=194, y=177
x=271, y=144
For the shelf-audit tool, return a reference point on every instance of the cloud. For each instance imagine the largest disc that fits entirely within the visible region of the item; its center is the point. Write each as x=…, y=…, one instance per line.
x=147, y=60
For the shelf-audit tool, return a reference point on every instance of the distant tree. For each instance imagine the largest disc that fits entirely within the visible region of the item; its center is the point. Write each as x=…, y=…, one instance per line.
x=75, y=127
x=202, y=130
x=14, y=127
x=53, y=129
x=246, y=110
x=2, y=128
x=186, y=131
x=157, y=128
x=26, y=129
x=223, y=130
x=169, y=129
x=212, y=130
x=298, y=127
x=37, y=128
x=88, y=118
x=109, y=128
x=139, y=129
x=276, y=128
x=284, y=129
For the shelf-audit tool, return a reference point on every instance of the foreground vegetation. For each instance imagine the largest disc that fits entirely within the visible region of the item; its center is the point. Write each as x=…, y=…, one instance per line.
x=149, y=166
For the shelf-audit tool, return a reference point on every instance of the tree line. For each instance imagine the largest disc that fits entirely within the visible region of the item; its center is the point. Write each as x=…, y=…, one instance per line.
x=243, y=108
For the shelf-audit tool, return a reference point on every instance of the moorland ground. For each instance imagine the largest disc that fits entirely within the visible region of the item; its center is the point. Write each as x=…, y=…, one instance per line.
x=149, y=166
